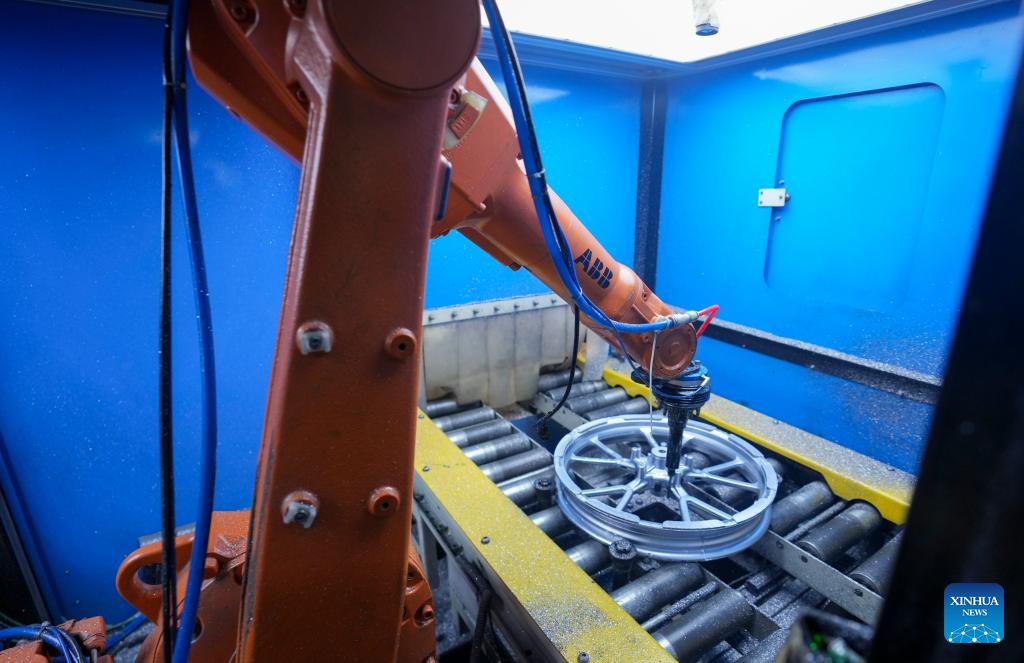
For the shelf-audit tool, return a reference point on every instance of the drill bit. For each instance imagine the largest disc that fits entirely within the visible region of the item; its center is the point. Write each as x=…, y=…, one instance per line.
x=680, y=398
x=677, y=415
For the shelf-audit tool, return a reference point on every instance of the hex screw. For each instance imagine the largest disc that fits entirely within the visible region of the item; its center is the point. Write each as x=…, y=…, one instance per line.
x=400, y=343
x=314, y=337
x=240, y=11
x=583, y=657
x=424, y=615
x=545, y=488
x=300, y=507
x=485, y=540
x=383, y=501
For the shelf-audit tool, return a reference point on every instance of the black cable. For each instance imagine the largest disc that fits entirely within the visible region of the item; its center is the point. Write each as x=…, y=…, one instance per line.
x=500, y=31
x=563, y=244
x=476, y=653
x=543, y=422
x=73, y=652
x=169, y=599
x=204, y=324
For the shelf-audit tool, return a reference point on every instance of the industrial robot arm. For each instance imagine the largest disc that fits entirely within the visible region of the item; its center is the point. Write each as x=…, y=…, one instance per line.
x=380, y=101
x=489, y=201
x=491, y=204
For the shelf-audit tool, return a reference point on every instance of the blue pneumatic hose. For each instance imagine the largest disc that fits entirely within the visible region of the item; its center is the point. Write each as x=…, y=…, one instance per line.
x=208, y=454
x=554, y=238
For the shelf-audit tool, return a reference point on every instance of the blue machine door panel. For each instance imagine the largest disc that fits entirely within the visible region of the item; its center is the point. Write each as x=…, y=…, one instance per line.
x=857, y=169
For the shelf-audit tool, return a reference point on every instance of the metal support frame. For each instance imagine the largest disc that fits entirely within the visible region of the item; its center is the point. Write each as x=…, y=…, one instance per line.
x=17, y=577
x=653, y=109
x=850, y=595
x=964, y=523
x=563, y=417
x=903, y=382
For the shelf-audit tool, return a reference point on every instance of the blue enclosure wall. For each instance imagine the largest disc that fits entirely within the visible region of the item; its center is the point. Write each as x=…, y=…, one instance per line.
x=79, y=203
x=79, y=279
x=885, y=143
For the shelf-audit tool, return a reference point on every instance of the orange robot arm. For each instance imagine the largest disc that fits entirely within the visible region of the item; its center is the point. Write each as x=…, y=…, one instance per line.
x=367, y=95
x=491, y=205
x=490, y=201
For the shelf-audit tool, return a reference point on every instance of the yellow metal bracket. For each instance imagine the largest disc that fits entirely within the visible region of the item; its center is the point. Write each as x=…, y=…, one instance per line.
x=571, y=610
x=849, y=474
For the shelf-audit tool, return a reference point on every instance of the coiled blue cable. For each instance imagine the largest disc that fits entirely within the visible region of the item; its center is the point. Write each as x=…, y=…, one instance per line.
x=51, y=635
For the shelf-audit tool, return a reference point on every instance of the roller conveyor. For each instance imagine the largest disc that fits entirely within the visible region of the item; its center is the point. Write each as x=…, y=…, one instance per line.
x=876, y=571
x=832, y=538
x=481, y=432
x=498, y=448
x=551, y=521
x=464, y=418
x=652, y=591
x=523, y=491
x=591, y=556
x=594, y=399
x=720, y=610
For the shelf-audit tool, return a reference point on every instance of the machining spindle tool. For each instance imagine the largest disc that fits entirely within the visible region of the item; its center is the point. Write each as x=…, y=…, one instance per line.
x=681, y=398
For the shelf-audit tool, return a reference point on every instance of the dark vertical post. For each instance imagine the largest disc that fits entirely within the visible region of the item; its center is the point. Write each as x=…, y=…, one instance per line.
x=653, y=98
x=965, y=522
x=20, y=595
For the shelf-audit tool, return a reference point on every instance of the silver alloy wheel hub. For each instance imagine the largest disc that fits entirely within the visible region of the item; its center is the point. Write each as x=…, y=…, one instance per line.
x=613, y=483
